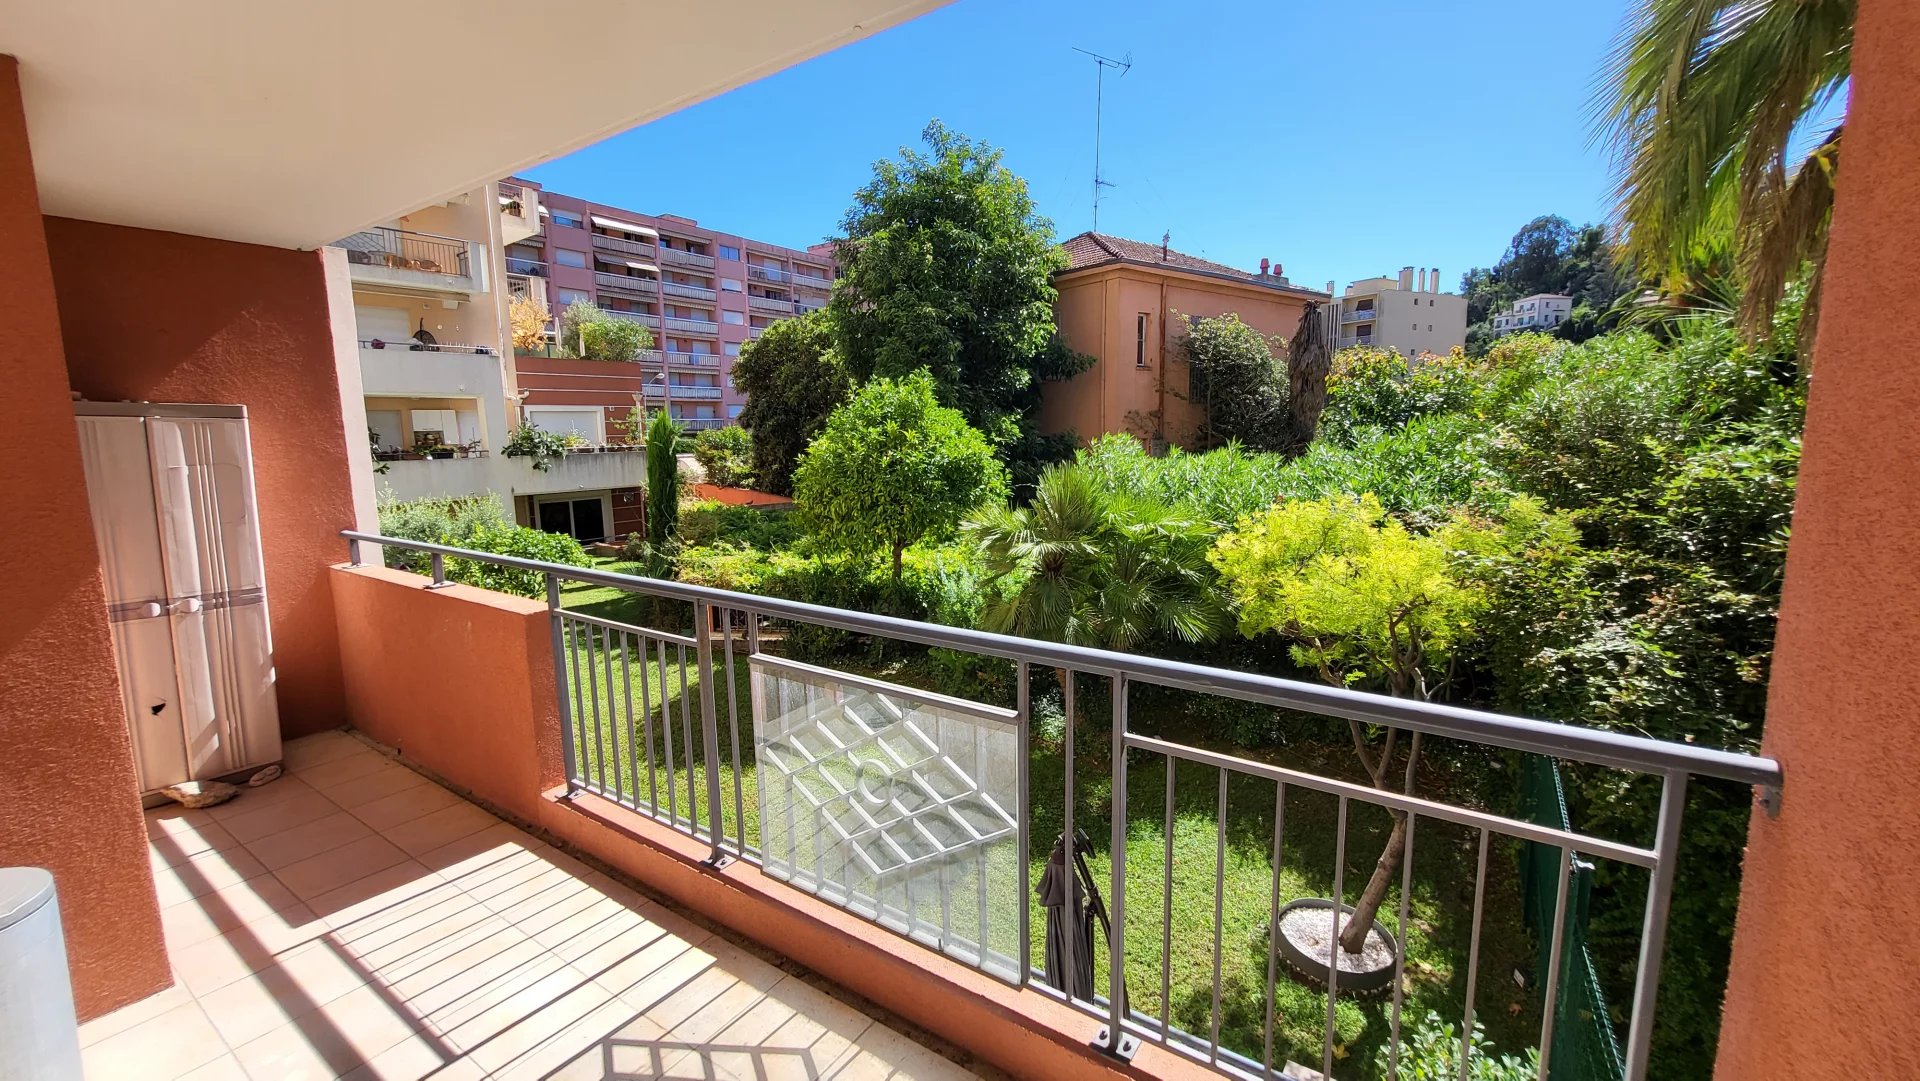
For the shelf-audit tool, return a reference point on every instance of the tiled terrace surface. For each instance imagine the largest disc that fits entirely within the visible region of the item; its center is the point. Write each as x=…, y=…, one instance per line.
x=355, y=919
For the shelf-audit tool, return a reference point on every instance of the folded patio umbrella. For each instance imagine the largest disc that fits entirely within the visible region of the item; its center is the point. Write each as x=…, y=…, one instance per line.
x=1072, y=917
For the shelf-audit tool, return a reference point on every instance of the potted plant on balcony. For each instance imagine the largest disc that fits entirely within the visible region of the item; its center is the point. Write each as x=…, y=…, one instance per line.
x=1366, y=603
x=529, y=440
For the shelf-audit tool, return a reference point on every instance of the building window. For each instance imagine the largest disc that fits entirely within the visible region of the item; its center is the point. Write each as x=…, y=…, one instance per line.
x=567, y=257
x=571, y=296
x=739, y=319
x=732, y=349
x=561, y=217
x=1140, y=340
x=728, y=251
x=1330, y=918
x=733, y=411
x=731, y=285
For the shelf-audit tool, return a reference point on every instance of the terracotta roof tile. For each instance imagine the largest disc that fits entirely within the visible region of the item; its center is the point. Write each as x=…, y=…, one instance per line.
x=1094, y=249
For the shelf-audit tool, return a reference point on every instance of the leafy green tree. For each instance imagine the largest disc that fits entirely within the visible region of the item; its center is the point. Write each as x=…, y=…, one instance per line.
x=590, y=332
x=947, y=266
x=1082, y=565
x=1550, y=255
x=1700, y=103
x=521, y=542
x=1366, y=601
x=1238, y=381
x=793, y=380
x=725, y=455
x=663, y=493
x=893, y=466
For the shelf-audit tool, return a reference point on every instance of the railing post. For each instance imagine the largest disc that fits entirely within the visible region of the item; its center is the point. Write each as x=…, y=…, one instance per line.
x=709, y=728
x=1115, y=1041
x=1653, y=933
x=353, y=551
x=439, y=572
x=560, y=677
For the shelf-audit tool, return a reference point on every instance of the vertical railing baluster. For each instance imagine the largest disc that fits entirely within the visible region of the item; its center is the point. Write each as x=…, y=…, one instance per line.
x=710, y=728
x=1473, y=954
x=1022, y=828
x=1400, y=955
x=579, y=706
x=353, y=553
x=1333, y=945
x=666, y=729
x=559, y=671
x=1273, y=919
x=633, y=735
x=646, y=726
x=1117, y=862
x=1219, y=912
x=686, y=737
x=613, y=711
x=1653, y=928
x=1166, y=908
x=980, y=874
x=593, y=703
x=1555, y=958
x=733, y=728
x=1068, y=846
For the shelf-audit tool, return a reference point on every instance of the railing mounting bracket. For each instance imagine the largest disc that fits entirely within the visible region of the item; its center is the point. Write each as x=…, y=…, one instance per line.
x=717, y=861
x=1770, y=799
x=1128, y=1047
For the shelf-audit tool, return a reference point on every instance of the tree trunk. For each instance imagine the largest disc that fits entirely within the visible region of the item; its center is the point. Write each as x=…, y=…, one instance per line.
x=1309, y=356
x=1354, y=936
x=899, y=546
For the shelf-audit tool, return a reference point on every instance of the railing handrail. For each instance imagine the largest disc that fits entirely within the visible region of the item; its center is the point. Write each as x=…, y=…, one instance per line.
x=1638, y=754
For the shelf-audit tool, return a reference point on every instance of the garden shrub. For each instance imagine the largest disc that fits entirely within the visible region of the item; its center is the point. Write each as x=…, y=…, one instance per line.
x=706, y=521
x=524, y=543
x=436, y=521
x=725, y=455
x=1371, y=387
x=1430, y=1051
x=1420, y=472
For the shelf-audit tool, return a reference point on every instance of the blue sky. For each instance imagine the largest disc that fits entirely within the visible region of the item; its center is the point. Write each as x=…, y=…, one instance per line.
x=1340, y=141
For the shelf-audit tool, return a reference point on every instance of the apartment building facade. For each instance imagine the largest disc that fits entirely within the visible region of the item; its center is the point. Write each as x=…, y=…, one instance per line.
x=1126, y=303
x=1407, y=313
x=702, y=292
x=1541, y=311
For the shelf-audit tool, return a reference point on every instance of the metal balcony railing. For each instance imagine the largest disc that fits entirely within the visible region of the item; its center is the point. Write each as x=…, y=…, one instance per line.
x=638, y=317
x=767, y=273
x=1357, y=315
x=699, y=424
x=685, y=359
x=625, y=246
x=848, y=770
x=677, y=257
x=811, y=281
x=693, y=326
x=404, y=249
x=626, y=283
x=695, y=394
x=519, y=265
x=689, y=292
x=770, y=305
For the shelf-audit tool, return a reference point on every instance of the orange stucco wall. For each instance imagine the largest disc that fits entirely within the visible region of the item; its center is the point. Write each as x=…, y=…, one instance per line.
x=1098, y=312
x=1826, y=953
x=68, y=802
x=489, y=723
x=152, y=316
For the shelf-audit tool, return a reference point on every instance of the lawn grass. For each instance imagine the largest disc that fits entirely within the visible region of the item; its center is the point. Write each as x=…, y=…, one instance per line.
x=1440, y=908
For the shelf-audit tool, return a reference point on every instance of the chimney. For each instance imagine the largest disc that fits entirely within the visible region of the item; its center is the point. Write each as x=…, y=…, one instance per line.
x=1406, y=278
x=1436, y=279
x=1164, y=238
x=1329, y=286
x=1422, y=278
x=1263, y=268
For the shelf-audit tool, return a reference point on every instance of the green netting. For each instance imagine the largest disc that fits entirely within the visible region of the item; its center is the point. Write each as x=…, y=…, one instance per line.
x=1584, y=1046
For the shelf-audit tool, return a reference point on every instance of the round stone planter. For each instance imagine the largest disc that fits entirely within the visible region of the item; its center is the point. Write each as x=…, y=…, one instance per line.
x=1305, y=934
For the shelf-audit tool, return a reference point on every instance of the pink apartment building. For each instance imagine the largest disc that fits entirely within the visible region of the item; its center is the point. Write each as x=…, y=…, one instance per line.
x=702, y=292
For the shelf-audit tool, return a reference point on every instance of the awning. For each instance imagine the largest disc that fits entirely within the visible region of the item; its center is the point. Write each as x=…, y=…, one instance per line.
x=625, y=226
x=648, y=267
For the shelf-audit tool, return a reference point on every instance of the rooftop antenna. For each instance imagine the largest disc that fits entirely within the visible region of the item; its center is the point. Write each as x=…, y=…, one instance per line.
x=1100, y=66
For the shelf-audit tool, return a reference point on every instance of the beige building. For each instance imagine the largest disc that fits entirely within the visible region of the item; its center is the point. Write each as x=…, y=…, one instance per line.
x=1541, y=311
x=1125, y=303
x=1408, y=313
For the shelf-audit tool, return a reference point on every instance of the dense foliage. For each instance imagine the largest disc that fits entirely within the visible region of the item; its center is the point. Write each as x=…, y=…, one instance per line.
x=1091, y=567
x=793, y=380
x=1239, y=382
x=893, y=466
x=725, y=455
x=529, y=440
x=948, y=267
x=1431, y=1052
x=521, y=542
x=477, y=523
x=590, y=332
x=1549, y=255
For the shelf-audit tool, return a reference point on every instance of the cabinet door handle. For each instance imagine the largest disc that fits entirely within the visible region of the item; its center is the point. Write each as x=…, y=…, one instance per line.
x=187, y=606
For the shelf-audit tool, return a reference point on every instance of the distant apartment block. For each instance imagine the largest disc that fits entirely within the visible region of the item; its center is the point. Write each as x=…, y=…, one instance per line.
x=1127, y=303
x=1541, y=311
x=1408, y=314
x=702, y=293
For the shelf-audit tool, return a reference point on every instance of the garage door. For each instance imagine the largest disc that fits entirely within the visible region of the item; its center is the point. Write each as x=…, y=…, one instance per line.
x=584, y=422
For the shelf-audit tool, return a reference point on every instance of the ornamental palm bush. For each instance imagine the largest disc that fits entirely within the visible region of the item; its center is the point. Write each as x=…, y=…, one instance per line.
x=1090, y=567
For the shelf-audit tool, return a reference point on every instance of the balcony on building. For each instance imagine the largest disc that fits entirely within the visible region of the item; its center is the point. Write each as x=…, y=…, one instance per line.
x=698, y=327
x=680, y=257
x=624, y=237
x=1354, y=315
x=519, y=212
x=684, y=358
x=773, y=274
x=811, y=278
x=645, y=318
x=403, y=257
x=633, y=277
x=687, y=291
x=774, y=306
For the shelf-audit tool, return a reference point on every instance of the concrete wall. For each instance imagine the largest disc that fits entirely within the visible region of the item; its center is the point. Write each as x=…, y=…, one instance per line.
x=1827, y=945
x=69, y=802
x=254, y=329
x=1098, y=311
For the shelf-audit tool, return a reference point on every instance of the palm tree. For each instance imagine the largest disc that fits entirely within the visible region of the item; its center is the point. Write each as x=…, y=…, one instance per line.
x=1082, y=566
x=1701, y=102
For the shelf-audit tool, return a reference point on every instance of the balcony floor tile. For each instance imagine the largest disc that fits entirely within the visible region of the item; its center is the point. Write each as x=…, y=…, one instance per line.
x=356, y=920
